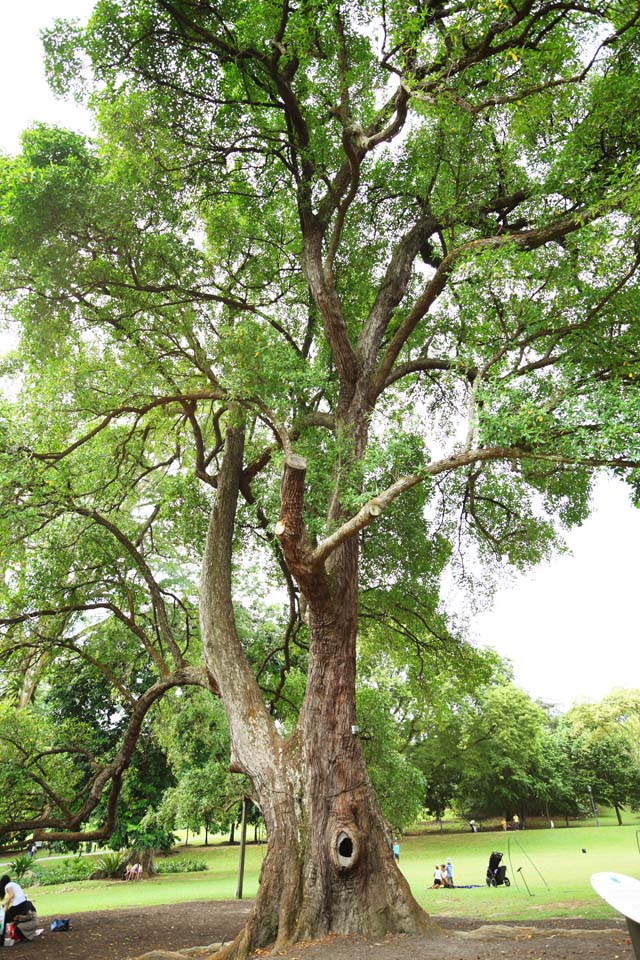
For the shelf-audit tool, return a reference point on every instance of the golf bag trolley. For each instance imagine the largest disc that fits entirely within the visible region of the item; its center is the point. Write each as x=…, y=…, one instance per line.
x=496, y=874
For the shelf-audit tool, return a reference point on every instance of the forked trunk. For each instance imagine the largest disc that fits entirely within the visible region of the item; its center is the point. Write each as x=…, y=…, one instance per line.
x=329, y=866
x=334, y=876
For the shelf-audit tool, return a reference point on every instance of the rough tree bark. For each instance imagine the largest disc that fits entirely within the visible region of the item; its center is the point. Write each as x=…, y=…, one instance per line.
x=329, y=864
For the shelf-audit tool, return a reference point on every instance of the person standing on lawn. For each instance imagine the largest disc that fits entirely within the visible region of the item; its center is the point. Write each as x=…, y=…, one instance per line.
x=448, y=872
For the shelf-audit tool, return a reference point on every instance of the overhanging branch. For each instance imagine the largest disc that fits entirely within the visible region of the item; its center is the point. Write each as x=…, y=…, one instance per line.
x=69, y=828
x=374, y=507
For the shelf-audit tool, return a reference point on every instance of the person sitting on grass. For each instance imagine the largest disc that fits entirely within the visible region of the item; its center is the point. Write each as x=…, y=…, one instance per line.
x=14, y=899
x=437, y=878
x=133, y=871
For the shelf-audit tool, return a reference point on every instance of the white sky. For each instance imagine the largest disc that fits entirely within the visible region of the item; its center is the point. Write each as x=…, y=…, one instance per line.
x=25, y=94
x=571, y=626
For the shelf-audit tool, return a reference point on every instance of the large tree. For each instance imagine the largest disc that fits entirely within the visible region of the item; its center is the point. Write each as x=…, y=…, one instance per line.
x=500, y=753
x=603, y=744
x=365, y=273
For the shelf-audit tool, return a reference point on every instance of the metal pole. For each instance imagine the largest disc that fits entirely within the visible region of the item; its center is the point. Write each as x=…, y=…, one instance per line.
x=532, y=863
x=243, y=843
x=519, y=870
x=593, y=806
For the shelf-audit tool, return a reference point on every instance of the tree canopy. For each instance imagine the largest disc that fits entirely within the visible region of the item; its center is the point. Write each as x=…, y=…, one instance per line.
x=342, y=297
x=603, y=745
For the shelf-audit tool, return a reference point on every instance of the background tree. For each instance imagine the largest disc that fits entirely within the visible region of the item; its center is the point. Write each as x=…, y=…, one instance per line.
x=603, y=743
x=342, y=295
x=192, y=728
x=501, y=753
x=557, y=787
x=488, y=756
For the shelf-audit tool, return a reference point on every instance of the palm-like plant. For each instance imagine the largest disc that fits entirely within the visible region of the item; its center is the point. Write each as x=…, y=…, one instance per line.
x=20, y=866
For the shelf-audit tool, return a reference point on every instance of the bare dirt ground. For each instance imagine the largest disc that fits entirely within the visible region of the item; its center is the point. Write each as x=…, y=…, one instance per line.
x=190, y=929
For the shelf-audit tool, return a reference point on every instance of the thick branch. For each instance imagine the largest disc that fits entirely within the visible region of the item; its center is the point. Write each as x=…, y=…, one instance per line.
x=328, y=302
x=392, y=289
x=373, y=508
x=253, y=733
x=69, y=829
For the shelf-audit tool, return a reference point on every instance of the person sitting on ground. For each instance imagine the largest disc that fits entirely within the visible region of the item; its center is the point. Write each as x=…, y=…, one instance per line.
x=133, y=871
x=14, y=900
x=443, y=872
x=437, y=878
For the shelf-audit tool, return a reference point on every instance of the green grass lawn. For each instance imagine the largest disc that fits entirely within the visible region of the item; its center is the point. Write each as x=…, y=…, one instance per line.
x=553, y=866
x=217, y=883
x=557, y=855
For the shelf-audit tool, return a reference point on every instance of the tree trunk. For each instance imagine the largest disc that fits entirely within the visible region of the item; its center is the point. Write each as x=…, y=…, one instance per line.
x=146, y=857
x=618, y=813
x=329, y=866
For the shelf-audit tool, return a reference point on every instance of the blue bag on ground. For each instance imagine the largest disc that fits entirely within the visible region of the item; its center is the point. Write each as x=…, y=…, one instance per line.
x=60, y=925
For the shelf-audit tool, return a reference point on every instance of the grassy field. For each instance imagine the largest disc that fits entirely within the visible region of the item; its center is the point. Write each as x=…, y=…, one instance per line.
x=217, y=883
x=552, y=863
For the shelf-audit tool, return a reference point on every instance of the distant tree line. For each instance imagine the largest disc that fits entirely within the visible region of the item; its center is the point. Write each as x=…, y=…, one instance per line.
x=500, y=753
x=456, y=736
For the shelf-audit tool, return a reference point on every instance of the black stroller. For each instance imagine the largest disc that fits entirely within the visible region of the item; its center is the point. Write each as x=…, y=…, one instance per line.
x=496, y=874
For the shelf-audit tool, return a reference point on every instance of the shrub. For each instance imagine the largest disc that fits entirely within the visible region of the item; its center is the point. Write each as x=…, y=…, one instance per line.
x=66, y=872
x=183, y=865
x=20, y=866
x=110, y=864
